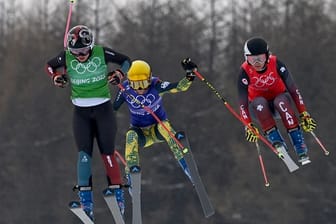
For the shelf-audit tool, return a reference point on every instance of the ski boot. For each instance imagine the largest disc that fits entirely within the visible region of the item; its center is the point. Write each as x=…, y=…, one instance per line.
x=85, y=198
x=273, y=135
x=128, y=183
x=300, y=147
x=119, y=194
x=185, y=168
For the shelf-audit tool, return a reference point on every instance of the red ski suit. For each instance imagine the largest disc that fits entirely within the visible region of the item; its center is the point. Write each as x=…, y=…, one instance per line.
x=268, y=93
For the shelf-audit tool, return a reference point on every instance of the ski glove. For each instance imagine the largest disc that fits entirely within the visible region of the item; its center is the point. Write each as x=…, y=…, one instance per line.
x=115, y=77
x=251, y=133
x=60, y=80
x=307, y=123
x=189, y=67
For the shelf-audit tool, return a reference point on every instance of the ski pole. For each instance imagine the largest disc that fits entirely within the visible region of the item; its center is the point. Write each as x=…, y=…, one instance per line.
x=68, y=23
x=67, y=29
x=326, y=152
x=262, y=138
x=262, y=165
x=120, y=157
x=149, y=110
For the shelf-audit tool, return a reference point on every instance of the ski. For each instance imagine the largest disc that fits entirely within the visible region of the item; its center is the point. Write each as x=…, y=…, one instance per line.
x=75, y=207
x=111, y=201
x=291, y=165
x=206, y=204
x=135, y=174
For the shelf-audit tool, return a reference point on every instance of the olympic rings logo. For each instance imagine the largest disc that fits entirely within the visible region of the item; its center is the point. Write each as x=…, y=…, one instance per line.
x=91, y=66
x=141, y=100
x=264, y=80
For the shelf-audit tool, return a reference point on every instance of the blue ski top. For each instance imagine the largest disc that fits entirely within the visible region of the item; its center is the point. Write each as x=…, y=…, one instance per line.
x=152, y=98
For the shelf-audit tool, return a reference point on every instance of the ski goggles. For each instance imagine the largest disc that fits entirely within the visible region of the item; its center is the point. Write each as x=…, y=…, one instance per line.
x=80, y=51
x=253, y=59
x=139, y=85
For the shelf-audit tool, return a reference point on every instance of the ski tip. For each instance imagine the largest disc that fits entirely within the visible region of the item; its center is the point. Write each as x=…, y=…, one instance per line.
x=293, y=168
x=74, y=204
x=327, y=153
x=267, y=184
x=209, y=213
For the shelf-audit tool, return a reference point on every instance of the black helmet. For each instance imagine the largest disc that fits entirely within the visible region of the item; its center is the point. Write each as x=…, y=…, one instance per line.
x=255, y=46
x=80, y=37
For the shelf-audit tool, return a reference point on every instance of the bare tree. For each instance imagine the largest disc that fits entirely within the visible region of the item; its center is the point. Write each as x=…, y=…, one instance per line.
x=35, y=117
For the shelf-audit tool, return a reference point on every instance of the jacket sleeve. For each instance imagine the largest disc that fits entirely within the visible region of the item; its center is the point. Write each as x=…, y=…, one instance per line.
x=291, y=86
x=55, y=63
x=243, y=82
x=112, y=56
x=118, y=101
x=175, y=87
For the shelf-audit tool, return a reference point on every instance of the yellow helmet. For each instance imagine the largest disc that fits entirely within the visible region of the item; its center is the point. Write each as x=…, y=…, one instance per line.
x=139, y=74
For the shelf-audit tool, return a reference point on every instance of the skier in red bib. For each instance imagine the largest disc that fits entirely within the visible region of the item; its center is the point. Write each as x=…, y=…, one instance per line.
x=266, y=91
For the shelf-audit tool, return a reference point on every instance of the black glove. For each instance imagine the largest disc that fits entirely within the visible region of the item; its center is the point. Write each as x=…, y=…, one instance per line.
x=115, y=77
x=189, y=67
x=60, y=80
x=190, y=76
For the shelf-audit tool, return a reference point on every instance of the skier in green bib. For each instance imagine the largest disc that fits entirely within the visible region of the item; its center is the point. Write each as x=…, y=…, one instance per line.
x=93, y=117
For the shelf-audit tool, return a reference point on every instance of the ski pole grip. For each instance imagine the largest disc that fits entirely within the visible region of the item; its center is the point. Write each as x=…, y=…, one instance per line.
x=198, y=75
